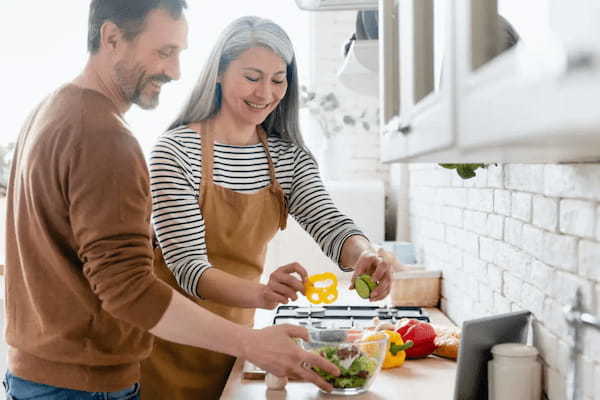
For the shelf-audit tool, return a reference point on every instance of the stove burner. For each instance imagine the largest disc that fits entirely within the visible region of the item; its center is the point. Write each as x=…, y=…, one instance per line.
x=309, y=310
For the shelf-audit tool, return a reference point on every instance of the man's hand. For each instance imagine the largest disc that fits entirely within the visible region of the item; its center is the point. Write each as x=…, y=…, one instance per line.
x=379, y=264
x=274, y=350
x=283, y=285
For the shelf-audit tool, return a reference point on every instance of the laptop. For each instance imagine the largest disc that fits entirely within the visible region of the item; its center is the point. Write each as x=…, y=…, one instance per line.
x=478, y=338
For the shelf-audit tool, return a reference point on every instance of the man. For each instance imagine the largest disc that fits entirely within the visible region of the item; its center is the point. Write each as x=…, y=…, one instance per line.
x=80, y=293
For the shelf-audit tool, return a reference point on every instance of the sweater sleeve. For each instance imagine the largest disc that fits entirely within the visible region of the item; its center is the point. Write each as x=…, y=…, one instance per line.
x=176, y=214
x=312, y=206
x=109, y=209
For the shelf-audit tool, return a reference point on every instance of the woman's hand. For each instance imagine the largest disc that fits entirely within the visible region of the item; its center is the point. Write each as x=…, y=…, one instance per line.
x=379, y=264
x=283, y=286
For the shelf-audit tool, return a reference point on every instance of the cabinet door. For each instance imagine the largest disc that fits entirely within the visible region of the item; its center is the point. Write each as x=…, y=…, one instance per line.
x=416, y=78
x=535, y=100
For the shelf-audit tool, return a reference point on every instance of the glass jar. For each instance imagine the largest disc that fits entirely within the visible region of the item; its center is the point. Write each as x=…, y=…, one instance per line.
x=515, y=373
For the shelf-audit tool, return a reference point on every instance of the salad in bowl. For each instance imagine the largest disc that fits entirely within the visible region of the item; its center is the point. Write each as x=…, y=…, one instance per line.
x=359, y=359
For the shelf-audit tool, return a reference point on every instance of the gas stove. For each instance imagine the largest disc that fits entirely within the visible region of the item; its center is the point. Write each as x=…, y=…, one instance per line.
x=344, y=317
x=334, y=317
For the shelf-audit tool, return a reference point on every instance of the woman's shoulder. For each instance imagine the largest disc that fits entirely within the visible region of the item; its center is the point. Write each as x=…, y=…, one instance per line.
x=179, y=132
x=181, y=136
x=281, y=146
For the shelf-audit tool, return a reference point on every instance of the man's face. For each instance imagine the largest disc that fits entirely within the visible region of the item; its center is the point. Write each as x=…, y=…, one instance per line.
x=151, y=59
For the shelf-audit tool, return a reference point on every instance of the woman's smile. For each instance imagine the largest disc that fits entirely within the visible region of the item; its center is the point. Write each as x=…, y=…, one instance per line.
x=256, y=105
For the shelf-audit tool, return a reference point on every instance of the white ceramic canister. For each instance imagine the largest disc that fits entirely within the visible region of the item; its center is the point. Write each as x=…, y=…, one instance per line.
x=515, y=373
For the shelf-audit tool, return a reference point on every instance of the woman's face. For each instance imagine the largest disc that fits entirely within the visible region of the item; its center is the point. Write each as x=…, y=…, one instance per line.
x=253, y=85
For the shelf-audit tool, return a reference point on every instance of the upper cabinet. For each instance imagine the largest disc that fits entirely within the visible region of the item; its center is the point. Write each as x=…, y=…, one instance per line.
x=415, y=81
x=489, y=80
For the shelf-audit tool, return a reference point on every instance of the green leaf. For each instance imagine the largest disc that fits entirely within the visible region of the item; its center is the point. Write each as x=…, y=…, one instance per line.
x=465, y=171
x=450, y=166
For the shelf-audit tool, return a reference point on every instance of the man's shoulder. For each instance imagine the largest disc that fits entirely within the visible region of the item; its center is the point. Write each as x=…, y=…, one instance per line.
x=83, y=113
x=72, y=99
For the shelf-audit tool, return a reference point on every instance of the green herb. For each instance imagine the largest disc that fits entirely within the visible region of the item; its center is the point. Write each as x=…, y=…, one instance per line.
x=465, y=171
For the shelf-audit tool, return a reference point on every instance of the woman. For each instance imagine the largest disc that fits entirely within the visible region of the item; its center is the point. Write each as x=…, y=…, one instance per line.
x=224, y=178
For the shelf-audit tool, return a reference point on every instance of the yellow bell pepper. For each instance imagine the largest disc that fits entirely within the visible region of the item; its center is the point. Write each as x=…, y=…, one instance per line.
x=395, y=355
x=315, y=290
x=370, y=348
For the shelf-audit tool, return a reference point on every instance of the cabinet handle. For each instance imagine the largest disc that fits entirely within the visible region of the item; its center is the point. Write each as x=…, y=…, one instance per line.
x=580, y=61
x=397, y=124
x=404, y=129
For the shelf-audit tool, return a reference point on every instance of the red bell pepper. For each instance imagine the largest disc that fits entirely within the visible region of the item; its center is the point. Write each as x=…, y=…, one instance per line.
x=422, y=335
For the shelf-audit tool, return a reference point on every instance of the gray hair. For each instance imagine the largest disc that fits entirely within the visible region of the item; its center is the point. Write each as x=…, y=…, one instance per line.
x=240, y=35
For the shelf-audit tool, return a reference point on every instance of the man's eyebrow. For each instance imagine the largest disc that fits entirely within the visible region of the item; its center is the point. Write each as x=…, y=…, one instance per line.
x=261, y=72
x=173, y=47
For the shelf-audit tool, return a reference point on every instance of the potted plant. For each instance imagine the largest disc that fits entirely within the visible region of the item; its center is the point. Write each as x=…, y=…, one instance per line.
x=6, y=152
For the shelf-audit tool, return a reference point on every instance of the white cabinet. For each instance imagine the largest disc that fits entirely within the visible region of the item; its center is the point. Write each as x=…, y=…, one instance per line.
x=473, y=102
x=420, y=118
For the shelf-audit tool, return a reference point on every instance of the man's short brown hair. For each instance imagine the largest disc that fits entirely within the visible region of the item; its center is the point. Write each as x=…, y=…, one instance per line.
x=128, y=15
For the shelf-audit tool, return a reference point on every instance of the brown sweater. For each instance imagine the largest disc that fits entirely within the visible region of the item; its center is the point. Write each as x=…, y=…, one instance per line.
x=80, y=292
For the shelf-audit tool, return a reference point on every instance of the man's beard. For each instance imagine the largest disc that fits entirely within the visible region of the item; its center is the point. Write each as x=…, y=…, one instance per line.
x=133, y=80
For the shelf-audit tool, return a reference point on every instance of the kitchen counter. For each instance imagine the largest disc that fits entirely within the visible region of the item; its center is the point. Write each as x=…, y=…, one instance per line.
x=429, y=378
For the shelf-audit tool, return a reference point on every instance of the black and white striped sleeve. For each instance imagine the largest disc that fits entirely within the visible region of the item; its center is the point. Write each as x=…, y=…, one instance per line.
x=176, y=215
x=312, y=206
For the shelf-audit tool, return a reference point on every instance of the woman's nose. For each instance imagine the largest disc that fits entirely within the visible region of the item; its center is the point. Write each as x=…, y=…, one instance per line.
x=263, y=90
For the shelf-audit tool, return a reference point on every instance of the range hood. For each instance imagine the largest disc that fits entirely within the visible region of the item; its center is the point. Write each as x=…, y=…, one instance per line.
x=360, y=70
x=327, y=5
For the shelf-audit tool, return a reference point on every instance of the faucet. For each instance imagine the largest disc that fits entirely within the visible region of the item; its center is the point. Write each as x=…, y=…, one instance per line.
x=577, y=319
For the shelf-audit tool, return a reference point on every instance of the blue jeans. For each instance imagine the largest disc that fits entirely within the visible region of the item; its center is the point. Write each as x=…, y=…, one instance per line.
x=21, y=389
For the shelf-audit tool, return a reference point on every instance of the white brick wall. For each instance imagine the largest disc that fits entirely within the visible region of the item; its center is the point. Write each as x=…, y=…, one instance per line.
x=577, y=217
x=516, y=237
x=545, y=213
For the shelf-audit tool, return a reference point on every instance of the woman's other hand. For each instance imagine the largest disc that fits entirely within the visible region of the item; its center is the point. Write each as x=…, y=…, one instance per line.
x=283, y=285
x=380, y=264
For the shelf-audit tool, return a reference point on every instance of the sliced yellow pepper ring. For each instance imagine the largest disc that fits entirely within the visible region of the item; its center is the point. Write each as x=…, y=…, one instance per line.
x=321, y=288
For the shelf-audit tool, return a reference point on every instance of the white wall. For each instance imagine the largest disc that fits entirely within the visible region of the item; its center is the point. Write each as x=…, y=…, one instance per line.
x=516, y=237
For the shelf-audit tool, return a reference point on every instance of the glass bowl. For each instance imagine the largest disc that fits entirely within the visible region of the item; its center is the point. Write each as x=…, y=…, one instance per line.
x=358, y=359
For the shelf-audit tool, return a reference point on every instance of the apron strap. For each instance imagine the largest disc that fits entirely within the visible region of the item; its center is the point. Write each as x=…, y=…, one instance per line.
x=262, y=135
x=275, y=187
x=206, y=137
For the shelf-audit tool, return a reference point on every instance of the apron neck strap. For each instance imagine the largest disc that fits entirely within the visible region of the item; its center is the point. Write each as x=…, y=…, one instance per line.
x=275, y=187
x=262, y=135
x=207, y=138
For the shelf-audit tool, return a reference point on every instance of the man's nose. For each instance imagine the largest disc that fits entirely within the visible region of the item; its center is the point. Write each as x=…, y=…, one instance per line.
x=172, y=69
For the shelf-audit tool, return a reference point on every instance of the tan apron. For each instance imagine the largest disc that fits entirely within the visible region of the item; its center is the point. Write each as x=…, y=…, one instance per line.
x=238, y=227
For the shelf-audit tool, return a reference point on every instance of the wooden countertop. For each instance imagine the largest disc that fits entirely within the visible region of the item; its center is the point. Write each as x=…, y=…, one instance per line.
x=429, y=378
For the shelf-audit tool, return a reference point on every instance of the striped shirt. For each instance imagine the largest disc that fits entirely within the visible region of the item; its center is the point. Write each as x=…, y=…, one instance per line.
x=176, y=171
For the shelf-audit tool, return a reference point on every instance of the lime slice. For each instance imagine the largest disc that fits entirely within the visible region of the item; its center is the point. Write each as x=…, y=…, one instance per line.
x=362, y=288
x=369, y=281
